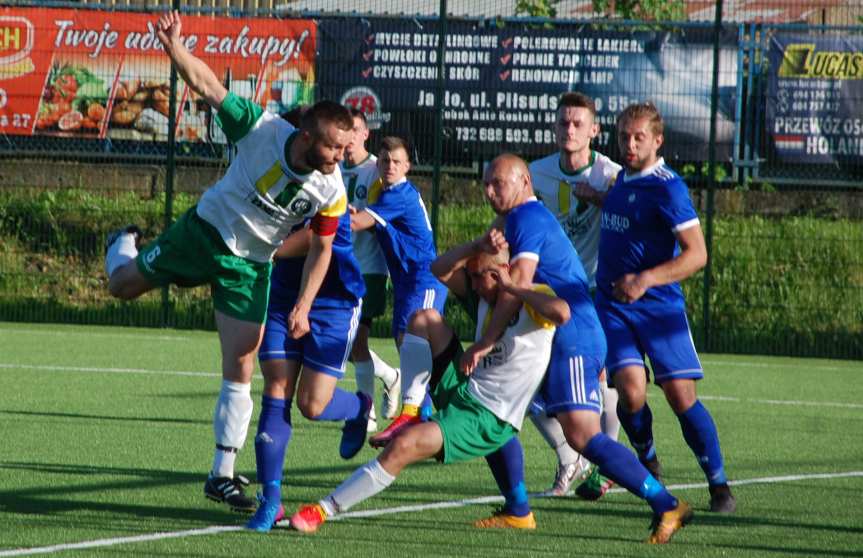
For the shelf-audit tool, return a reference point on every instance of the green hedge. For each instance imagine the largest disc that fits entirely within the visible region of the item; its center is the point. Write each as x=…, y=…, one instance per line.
x=791, y=285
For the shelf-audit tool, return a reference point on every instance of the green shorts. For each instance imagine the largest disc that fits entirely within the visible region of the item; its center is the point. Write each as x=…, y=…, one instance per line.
x=191, y=253
x=375, y=299
x=469, y=429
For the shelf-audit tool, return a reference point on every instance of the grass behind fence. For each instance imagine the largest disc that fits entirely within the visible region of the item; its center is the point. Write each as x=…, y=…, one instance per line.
x=790, y=285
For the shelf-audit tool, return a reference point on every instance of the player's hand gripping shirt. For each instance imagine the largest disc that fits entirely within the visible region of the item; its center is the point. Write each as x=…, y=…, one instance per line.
x=261, y=198
x=555, y=188
x=405, y=235
x=343, y=285
x=640, y=217
x=363, y=185
x=506, y=379
x=534, y=233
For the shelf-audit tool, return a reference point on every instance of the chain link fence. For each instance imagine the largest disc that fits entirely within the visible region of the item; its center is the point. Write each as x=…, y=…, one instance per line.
x=84, y=142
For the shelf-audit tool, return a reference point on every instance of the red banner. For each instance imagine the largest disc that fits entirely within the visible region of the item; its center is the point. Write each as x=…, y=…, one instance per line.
x=81, y=73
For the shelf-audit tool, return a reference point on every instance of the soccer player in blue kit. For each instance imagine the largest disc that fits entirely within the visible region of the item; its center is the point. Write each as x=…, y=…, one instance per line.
x=401, y=224
x=307, y=368
x=542, y=253
x=650, y=240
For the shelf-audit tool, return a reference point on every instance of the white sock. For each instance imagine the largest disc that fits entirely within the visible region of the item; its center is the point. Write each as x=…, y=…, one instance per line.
x=120, y=253
x=551, y=430
x=416, y=365
x=364, y=483
x=230, y=425
x=365, y=371
x=609, y=420
x=383, y=370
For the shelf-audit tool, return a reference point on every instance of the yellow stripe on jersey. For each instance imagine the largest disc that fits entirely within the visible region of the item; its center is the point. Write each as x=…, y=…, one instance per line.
x=337, y=209
x=375, y=191
x=269, y=179
x=537, y=318
x=563, y=197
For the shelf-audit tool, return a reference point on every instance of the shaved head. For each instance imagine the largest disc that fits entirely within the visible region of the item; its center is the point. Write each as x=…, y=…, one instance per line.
x=507, y=183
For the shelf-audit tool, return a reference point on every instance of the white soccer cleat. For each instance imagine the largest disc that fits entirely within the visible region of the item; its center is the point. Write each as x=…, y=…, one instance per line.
x=391, y=396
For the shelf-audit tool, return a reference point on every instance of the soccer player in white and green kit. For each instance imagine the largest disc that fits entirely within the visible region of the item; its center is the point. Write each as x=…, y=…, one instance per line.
x=280, y=177
x=477, y=413
x=360, y=173
x=572, y=183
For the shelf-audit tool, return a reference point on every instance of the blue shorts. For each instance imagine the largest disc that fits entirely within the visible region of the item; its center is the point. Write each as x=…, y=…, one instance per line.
x=660, y=333
x=420, y=299
x=325, y=348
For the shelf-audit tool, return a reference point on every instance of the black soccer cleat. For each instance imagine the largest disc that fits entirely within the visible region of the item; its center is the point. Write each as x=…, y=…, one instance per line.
x=721, y=499
x=128, y=229
x=230, y=491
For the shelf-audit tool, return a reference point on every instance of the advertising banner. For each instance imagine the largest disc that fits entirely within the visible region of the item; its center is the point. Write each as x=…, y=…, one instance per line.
x=815, y=98
x=503, y=83
x=95, y=74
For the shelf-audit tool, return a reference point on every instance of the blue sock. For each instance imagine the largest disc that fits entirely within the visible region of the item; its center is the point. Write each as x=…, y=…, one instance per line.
x=507, y=466
x=620, y=465
x=699, y=431
x=639, y=428
x=271, y=443
x=343, y=406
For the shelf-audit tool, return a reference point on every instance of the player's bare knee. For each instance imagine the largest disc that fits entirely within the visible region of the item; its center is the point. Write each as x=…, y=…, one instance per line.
x=422, y=321
x=311, y=408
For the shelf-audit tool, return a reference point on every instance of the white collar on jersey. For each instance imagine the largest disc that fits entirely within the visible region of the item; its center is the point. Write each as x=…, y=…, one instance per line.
x=394, y=184
x=649, y=170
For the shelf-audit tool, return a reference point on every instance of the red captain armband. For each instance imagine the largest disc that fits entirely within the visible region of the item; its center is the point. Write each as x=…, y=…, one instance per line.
x=323, y=225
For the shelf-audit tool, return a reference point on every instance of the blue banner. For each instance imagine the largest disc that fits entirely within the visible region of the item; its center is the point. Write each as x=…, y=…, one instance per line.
x=815, y=98
x=503, y=83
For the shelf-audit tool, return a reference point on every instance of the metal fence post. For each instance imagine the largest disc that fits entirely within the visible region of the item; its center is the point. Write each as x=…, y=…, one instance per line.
x=438, y=106
x=711, y=177
x=169, y=172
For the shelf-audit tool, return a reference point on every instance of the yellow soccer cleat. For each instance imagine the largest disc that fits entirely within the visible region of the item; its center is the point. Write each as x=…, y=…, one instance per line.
x=503, y=520
x=668, y=523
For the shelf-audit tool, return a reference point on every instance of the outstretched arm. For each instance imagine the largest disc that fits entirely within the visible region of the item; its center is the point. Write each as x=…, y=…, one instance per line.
x=193, y=70
x=314, y=271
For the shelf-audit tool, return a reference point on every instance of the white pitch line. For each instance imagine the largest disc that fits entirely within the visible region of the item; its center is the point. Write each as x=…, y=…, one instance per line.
x=808, y=365
x=215, y=529
x=783, y=402
x=91, y=333
x=100, y=370
x=106, y=370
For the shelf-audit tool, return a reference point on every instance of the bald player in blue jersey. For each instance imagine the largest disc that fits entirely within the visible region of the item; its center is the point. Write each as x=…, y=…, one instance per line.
x=650, y=239
x=307, y=368
x=541, y=252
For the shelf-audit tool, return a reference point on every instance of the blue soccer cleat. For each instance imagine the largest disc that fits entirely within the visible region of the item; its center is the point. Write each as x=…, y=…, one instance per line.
x=266, y=516
x=355, y=430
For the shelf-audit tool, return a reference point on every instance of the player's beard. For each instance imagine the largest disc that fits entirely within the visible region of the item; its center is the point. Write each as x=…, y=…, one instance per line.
x=318, y=162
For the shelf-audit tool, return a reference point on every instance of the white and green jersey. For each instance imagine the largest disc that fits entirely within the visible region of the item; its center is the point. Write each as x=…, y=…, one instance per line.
x=580, y=220
x=506, y=379
x=260, y=199
x=360, y=180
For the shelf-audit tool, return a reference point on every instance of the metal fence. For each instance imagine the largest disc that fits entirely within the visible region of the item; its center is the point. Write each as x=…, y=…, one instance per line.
x=782, y=207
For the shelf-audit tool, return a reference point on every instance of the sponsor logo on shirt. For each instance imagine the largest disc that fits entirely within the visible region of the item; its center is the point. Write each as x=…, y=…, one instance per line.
x=615, y=222
x=300, y=206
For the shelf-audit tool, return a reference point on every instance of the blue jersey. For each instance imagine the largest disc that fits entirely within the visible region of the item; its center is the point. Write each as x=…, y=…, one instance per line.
x=640, y=217
x=533, y=232
x=343, y=285
x=405, y=235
